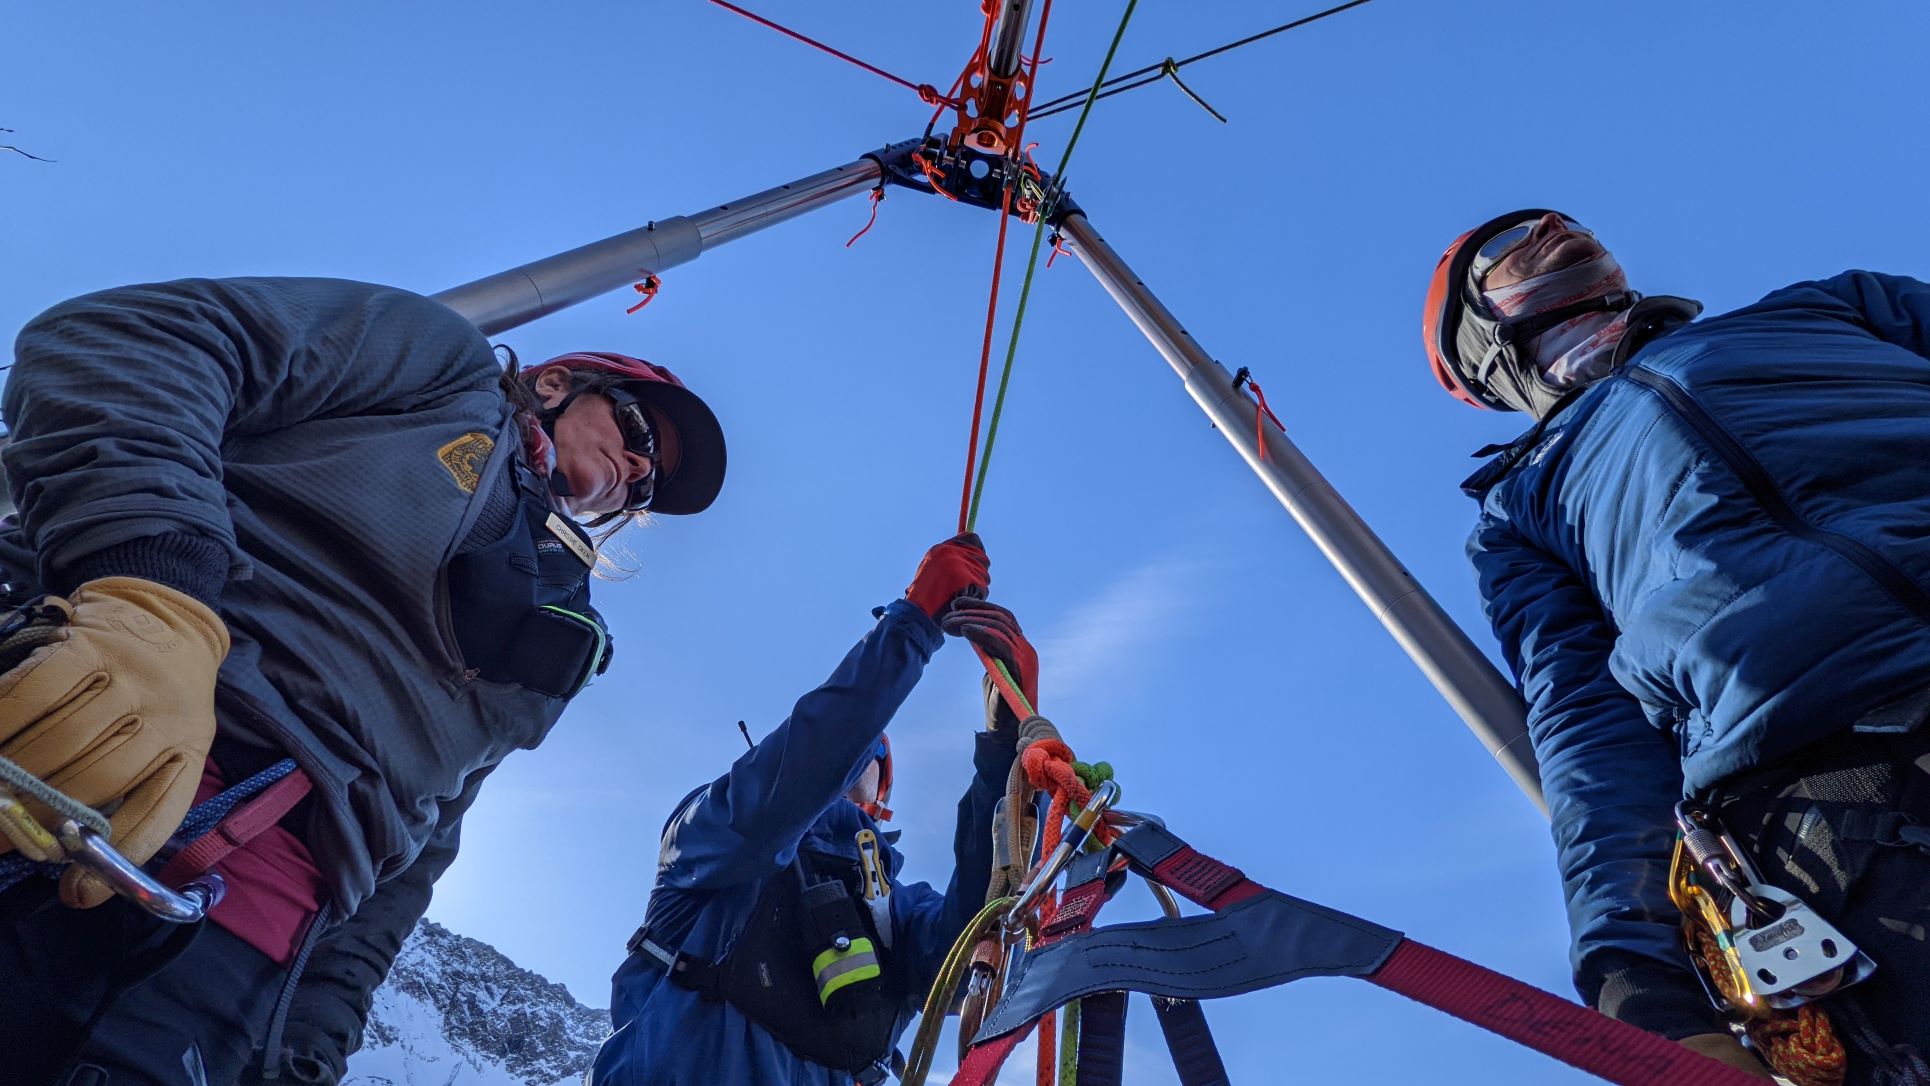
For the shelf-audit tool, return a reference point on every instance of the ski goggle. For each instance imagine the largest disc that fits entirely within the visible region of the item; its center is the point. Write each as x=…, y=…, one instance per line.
x=640, y=438
x=1496, y=248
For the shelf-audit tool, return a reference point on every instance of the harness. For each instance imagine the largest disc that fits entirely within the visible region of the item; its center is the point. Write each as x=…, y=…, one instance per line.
x=1254, y=937
x=813, y=966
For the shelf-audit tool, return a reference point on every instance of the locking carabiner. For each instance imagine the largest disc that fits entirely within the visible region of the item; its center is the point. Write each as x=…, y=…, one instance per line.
x=1103, y=797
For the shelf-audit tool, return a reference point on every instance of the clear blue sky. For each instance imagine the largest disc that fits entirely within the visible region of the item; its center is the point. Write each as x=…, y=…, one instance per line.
x=1191, y=635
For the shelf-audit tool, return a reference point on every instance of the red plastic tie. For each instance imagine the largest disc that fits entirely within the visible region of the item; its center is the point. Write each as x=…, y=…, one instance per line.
x=877, y=197
x=933, y=175
x=648, y=288
x=1058, y=247
x=1259, y=417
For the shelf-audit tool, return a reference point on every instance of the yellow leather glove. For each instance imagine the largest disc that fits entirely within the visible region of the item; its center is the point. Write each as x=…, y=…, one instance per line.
x=118, y=712
x=1724, y=1048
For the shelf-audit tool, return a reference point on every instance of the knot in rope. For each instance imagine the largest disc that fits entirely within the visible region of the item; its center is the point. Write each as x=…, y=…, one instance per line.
x=929, y=95
x=1034, y=728
x=1048, y=765
x=1094, y=774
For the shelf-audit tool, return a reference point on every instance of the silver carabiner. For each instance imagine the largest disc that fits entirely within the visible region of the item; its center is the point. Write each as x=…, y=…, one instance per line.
x=1103, y=798
x=122, y=875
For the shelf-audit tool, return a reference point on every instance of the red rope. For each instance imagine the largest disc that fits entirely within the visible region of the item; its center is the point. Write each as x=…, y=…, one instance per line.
x=877, y=197
x=924, y=90
x=984, y=365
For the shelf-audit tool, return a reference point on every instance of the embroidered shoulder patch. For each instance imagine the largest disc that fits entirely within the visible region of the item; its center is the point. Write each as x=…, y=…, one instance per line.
x=465, y=457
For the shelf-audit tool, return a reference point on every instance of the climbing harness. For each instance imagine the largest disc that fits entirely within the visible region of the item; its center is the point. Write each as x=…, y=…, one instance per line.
x=186, y=887
x=1253, y=937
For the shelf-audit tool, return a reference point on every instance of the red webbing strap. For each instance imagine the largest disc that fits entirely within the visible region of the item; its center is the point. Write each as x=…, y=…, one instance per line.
x=981, y=1065
x=243, y=825
x=1547, y=1023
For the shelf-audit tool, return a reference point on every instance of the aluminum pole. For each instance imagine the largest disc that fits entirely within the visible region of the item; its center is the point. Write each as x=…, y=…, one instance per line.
x=507, y=299
x=1485, y=699
x=1009, y=42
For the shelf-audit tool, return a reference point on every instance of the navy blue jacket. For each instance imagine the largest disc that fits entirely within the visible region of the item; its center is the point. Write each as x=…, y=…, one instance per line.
x=743, y=828
x=1708, y=560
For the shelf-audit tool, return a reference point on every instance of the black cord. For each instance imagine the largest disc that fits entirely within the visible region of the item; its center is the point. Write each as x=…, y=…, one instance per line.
x=1158, y=71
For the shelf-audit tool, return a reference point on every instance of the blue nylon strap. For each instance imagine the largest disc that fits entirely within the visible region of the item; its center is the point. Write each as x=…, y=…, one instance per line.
x=205, y=816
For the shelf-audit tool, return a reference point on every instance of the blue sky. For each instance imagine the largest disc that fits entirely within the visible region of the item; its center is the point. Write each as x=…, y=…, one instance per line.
x=1191, y=635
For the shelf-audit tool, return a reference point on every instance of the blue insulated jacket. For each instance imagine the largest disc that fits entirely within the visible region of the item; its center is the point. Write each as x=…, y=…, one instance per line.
x=740, y=830
x=1711, y=558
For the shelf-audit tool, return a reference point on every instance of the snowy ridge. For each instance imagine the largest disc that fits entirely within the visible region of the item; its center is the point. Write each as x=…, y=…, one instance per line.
x=455, y=1012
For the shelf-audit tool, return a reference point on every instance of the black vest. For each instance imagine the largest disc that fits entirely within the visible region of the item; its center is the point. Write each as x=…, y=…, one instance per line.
x=521, y=605
x=774, y=971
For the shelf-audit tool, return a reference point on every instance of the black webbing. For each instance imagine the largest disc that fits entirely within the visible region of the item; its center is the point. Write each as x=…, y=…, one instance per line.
x=1102, y=1039
x=1195, y=1055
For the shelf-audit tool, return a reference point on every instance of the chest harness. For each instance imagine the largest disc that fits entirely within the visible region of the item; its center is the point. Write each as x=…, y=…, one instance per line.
x=813, y=965
x=521, y=604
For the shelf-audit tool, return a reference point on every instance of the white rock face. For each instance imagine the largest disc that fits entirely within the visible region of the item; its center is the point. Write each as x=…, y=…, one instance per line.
x=455, y=1012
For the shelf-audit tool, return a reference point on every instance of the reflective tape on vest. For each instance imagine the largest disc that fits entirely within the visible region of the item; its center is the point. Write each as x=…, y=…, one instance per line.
x=839, y=969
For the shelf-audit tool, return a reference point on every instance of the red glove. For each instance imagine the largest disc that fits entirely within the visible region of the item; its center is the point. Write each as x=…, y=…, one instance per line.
x=996, y=630
x=954, y=568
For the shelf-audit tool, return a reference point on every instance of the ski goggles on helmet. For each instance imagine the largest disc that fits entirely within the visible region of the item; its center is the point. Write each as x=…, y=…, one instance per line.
x=1496, y=248
x=640, y=438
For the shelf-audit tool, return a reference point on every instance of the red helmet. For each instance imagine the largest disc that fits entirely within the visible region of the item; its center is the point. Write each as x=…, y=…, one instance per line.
x=693, y=482
x=1448, y=295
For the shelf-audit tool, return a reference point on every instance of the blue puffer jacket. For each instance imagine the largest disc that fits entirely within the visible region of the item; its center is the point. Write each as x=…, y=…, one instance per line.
x=730, y=836
x=1713, y=557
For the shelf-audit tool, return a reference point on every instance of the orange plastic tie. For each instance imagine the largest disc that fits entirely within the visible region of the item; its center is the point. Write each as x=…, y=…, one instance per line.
x=648, y=288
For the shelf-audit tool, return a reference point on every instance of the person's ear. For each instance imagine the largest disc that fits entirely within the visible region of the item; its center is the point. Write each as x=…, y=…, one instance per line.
x=552, y=385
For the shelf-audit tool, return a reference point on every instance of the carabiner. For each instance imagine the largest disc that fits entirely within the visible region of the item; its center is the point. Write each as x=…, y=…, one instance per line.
x=1718, y=853
x=1103, y=798
x=186, y=906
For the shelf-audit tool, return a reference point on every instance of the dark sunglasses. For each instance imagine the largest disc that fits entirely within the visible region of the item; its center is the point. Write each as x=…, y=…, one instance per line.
x=1496, y=248
x=640, y=438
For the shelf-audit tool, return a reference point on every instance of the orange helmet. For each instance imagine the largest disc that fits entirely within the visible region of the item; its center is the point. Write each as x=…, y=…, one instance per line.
x=1449, y=296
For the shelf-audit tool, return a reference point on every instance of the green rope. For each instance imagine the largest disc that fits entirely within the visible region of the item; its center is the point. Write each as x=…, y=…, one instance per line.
x=1031, y=265
x=1069, y=1045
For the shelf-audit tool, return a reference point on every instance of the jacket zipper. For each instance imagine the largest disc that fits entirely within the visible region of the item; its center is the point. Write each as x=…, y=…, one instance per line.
x=1755, y=478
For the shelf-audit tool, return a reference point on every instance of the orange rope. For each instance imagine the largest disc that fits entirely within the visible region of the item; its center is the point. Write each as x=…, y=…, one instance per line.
x=1800, y=1045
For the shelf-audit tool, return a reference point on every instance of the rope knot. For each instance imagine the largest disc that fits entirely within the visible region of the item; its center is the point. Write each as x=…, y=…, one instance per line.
x=1048, y=765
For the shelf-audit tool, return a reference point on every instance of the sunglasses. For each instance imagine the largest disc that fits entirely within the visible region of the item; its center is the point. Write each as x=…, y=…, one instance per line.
x=640, y=438
x=1496, y=248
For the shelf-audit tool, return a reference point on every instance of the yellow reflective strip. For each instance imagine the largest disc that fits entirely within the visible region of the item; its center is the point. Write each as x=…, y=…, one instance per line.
x=857, y=962
x=868, y=972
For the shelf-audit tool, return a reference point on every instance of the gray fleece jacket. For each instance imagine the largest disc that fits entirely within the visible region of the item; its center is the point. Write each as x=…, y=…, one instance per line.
x=306, y=454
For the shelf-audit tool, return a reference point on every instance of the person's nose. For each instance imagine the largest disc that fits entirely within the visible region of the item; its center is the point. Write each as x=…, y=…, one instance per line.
x=1548, y=224
x=635, y=465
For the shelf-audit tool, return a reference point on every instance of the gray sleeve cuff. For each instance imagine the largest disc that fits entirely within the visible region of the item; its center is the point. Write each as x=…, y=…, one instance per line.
x=191, y=564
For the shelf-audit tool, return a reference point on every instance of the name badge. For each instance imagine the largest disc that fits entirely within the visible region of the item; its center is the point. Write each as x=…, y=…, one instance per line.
x=564, y=532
